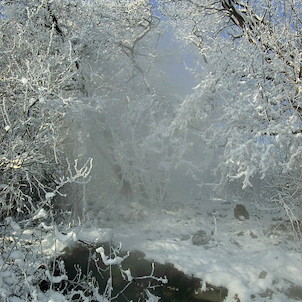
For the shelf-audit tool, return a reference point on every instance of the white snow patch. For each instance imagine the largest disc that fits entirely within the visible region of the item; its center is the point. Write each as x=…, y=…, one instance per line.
x=41, y=214
x=15, y=226
x=117, y=260
x=242, y=256
x=24, y=81
x=50, y=195
x=65, y=237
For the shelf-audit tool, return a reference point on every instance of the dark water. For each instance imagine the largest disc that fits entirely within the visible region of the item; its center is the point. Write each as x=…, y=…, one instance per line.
x=180, y=288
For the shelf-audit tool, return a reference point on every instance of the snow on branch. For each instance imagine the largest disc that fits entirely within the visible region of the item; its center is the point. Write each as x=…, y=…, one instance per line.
x=76, y=174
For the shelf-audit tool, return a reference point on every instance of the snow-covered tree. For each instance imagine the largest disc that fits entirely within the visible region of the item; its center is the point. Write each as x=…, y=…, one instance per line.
x=249, y=97
x=36, y=66
x=53, y=54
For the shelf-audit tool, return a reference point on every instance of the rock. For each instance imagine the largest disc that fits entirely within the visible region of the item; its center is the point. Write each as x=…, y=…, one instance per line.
x=185, y=237
x=235, y=243
x=200, y=238
x=253, y=235
x=295, y=292
x=211, y=294
x=240, y=212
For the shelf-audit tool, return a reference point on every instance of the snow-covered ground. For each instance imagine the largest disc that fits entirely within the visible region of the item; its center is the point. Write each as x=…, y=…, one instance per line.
x=256, y=259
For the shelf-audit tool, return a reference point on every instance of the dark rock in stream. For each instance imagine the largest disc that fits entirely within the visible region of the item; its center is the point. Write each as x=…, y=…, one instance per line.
x=240, y=212
x=180, y=287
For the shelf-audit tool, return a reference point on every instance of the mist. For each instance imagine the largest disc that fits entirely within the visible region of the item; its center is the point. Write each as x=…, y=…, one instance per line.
x=141, y=158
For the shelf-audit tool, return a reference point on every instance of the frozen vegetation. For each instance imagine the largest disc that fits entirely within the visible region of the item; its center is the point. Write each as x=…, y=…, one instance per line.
x=171, y=128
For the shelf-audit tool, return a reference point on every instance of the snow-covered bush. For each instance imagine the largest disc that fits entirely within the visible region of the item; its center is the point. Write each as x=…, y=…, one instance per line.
x=31, y=269
x=36, y=67
x=248, y=100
